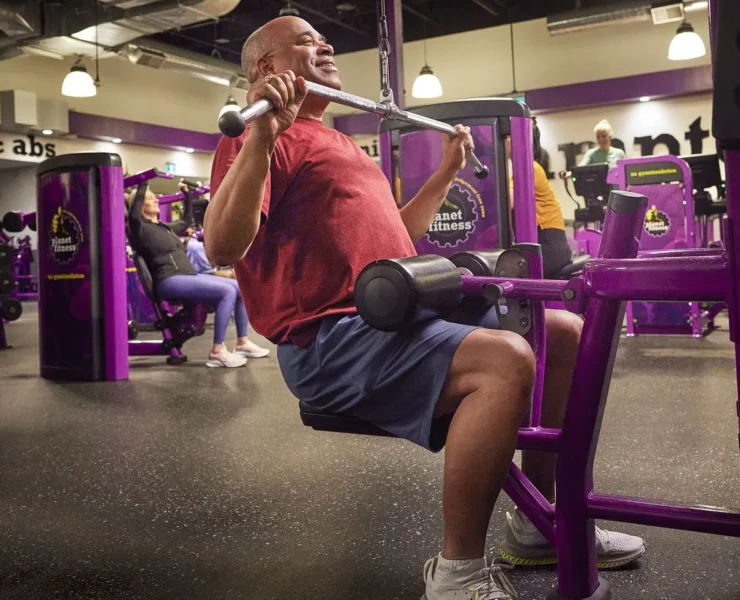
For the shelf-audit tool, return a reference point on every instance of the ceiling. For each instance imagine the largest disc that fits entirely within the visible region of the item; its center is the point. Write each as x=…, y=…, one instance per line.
x=350, y=25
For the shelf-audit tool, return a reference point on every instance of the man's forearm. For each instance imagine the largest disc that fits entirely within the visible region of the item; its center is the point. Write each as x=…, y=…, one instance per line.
x=419, y=213
x=234, y=213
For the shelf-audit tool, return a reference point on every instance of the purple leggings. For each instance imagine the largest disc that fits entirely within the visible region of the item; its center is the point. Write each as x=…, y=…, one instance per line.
x=222, y=292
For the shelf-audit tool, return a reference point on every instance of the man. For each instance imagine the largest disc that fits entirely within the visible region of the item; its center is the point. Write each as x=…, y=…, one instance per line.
x=300, y=210
x=604, y=152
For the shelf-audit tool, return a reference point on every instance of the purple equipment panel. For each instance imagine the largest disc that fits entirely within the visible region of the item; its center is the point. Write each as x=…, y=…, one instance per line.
x=669, y=209
x=465, y=221
x=82, y=332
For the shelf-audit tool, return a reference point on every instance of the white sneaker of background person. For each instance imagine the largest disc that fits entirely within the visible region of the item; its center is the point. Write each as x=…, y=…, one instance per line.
x=224, y=358
x=466, y=580
x=250, y=350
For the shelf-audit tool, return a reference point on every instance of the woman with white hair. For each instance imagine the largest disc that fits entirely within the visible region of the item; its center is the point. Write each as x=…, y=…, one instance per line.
x=604, y=152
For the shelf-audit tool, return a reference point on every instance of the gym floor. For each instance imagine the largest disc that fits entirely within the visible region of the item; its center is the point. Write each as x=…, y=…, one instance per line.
x=187, y=482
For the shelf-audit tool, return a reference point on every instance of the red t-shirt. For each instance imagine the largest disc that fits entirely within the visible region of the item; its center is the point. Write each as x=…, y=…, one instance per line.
x=328, y=212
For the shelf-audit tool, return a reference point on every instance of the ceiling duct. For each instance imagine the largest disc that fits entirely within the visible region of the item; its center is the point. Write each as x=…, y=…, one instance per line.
x=69, y=28
x=122, y=29
x=622, y=14
x=150, y=53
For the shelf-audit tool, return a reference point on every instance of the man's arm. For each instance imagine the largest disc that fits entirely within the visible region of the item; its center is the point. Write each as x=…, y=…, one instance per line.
x=233, y=215
x=419, y=213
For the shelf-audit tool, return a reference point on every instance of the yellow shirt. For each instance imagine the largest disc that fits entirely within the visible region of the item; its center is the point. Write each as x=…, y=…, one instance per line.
x=549, y=215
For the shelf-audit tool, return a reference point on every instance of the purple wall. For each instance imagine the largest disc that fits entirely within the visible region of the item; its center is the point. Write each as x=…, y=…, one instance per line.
x=132, y=132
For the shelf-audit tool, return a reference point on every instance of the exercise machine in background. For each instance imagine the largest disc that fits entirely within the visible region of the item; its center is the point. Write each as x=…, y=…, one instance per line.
x=82, y=253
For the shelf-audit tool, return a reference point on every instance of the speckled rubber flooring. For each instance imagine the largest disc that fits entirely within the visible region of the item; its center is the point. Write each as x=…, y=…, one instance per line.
x=195, y=483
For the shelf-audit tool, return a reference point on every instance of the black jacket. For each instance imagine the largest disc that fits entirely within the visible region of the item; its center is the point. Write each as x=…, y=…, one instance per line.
x=157, y=243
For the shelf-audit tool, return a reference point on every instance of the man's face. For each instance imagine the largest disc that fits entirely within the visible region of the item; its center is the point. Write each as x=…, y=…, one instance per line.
x=300, y=48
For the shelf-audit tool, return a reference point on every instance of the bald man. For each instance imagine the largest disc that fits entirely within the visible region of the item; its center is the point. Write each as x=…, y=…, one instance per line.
x=300, y=209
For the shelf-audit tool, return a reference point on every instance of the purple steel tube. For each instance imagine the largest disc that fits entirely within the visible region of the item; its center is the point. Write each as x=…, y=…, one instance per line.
x=704, y=519
x=732, y=243
x=537, y=333
x=538, y=438
x=529, y=499
x=532, y=289
x=658, y=279
x=576, y=543
x=113, y=236
x=682, y=253
x=178, y=196
x=146, y=348
x=386, y=160
x=525, y=226
x=138, y=178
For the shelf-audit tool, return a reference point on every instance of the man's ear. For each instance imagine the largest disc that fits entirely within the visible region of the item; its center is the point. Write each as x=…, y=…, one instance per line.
x=265, y=67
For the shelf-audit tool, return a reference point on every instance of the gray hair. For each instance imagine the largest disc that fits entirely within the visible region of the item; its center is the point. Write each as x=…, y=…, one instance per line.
x=604, y=126
x=253, y=50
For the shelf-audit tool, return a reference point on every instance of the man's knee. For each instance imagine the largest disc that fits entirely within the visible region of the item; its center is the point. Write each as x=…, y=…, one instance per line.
x=509, y=363
x=498, y=363
x=563, y=333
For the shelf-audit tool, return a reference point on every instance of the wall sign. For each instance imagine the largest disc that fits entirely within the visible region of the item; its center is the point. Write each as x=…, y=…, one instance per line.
x=26, y=147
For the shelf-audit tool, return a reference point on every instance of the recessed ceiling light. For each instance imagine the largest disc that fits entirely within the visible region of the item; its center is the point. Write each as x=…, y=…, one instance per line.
x=47, y=132
x=189, y=150
x=644, y=98
x=116, y=140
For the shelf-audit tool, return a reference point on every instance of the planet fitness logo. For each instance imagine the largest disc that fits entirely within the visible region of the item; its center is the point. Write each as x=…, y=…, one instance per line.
x=66, y=236
x=657, y=223
x=458, y=215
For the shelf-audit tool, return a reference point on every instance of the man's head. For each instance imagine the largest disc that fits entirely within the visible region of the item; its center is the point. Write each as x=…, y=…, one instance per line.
x=290, y=43
x=604, y=134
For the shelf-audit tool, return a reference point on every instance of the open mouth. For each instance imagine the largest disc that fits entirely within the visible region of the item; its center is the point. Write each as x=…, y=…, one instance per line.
x=326, y=65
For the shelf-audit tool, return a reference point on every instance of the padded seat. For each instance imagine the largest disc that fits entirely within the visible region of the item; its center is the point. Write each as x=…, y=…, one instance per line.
x=575, y=266
x=145, y=276
x=326, y=421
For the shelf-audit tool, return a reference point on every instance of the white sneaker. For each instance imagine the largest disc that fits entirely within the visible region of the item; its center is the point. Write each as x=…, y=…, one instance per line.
x=225, y=359
x=251, y=350
x=526, y=546
x=465, y=580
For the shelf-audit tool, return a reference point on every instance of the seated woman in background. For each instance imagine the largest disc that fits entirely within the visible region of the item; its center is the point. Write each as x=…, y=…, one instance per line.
x=175, y=278
x=604, y=152
x=556, y=252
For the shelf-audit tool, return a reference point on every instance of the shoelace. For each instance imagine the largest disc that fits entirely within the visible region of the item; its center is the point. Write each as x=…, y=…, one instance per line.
x=495, y=577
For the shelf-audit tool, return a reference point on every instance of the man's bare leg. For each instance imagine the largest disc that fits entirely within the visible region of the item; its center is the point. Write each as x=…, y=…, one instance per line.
x=488, y=389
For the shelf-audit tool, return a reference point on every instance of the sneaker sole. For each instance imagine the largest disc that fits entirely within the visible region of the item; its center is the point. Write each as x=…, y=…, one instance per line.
x=213, y=364
x=552, y=560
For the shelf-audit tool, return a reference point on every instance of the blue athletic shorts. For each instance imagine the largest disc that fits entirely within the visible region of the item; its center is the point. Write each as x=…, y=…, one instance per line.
x=392, y=380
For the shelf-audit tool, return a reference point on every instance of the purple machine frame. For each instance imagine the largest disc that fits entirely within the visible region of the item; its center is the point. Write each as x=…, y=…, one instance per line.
x=478, y=210
x=81, y=242
x=619, y=274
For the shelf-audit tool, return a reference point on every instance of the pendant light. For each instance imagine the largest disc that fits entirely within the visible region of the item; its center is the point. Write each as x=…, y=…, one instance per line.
x=427, y=85
x=78, y=83
x=229, y=106
x=686, y=44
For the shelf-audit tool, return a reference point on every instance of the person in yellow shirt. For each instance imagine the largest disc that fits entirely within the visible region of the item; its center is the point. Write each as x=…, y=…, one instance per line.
x=556, y=252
